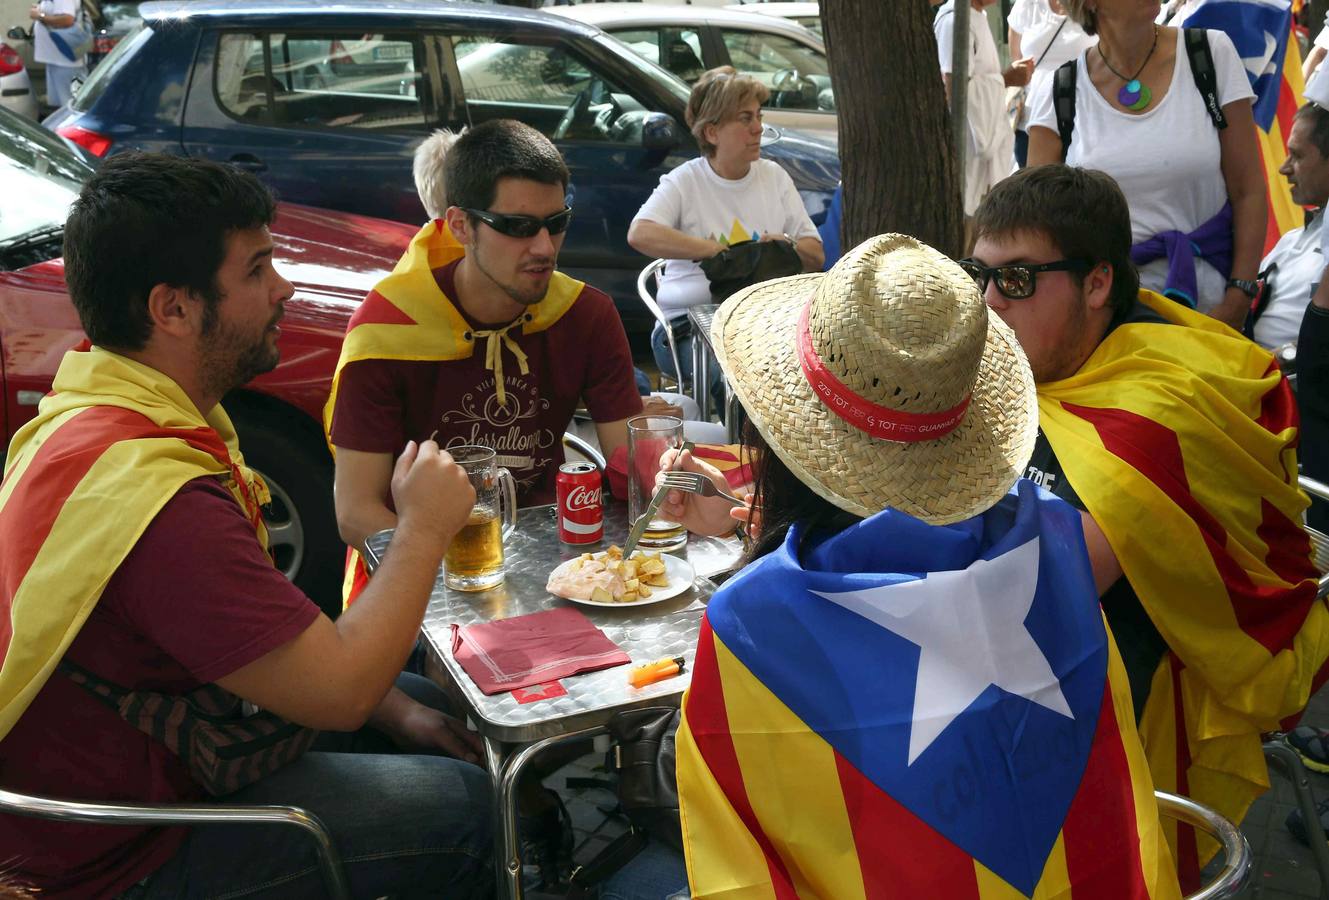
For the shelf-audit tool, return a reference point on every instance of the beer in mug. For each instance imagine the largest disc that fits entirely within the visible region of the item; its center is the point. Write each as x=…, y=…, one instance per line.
x=474, y=561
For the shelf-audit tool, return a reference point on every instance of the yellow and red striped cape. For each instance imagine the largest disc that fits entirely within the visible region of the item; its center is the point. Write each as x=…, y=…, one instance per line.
x=111, y=444
x=1180, y=439
x=407, y=317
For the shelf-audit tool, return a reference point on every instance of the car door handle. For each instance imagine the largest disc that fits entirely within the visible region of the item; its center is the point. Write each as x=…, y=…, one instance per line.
x=249, y=162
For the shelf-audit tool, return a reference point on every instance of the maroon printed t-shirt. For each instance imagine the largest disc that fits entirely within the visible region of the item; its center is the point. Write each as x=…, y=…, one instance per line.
x=195, y=600
x=382, y=404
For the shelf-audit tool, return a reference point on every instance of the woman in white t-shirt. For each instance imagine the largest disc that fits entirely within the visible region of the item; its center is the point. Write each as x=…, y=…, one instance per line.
x=728, y=194
x=1140, y=118
x=1041, y=31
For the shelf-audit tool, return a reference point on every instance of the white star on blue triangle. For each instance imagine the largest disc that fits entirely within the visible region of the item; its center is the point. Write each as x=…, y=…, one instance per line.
x=942, y=613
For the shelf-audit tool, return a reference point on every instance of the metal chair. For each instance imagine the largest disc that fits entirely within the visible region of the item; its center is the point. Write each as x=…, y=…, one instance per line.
x=1319, y=540
x=1236, y=850
x=329, y=860
x=584, y=448
x=652, y=271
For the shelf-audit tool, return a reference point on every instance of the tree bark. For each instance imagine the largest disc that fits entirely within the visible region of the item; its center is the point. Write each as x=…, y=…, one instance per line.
x=896, y=159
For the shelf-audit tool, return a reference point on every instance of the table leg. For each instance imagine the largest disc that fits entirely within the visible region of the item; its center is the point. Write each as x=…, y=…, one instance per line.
x=507, y=776
x=701, y=377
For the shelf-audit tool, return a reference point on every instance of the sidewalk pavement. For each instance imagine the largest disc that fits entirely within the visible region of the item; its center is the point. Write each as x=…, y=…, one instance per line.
x=1283, y=869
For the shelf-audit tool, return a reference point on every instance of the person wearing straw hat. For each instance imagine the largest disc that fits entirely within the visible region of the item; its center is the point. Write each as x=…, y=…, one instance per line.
x=1177, y=438
x=909, y=690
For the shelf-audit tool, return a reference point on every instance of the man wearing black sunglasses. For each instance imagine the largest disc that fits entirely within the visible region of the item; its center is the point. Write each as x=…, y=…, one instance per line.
x=476, y=337
x=1176, y=437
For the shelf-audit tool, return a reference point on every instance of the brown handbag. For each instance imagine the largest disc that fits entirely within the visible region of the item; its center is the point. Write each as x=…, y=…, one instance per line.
x=223, y=748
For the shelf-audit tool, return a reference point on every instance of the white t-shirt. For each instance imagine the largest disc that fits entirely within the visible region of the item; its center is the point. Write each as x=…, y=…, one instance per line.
x=1047, y=38
x=990, y=156
x=1166, y=159
x=696, y=201
x=43, y=48
x=1300, y=263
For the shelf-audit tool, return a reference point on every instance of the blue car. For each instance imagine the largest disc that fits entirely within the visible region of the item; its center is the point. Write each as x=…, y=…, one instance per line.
x=326, y=103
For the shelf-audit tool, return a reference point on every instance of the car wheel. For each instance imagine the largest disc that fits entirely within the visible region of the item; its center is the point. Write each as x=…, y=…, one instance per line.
x=301, y=519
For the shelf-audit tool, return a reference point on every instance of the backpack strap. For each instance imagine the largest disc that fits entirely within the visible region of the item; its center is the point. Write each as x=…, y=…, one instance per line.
x=1063, y=102
x=1206, y=79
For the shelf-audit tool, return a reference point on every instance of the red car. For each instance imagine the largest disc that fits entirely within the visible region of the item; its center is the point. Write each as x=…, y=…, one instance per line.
x=333, y=259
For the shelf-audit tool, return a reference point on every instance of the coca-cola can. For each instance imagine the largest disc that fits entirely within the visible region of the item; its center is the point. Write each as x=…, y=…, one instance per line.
x=580, y=514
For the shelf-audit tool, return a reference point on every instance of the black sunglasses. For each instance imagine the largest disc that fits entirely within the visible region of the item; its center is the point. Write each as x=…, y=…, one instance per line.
x=1018, y=281
x=523, y=226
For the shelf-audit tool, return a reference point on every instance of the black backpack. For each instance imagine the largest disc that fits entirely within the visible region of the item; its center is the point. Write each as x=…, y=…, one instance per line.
x=1202, y=67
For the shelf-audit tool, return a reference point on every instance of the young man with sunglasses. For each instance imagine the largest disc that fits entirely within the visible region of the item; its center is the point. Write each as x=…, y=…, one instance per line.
x=1176, y=437
x=477, y=338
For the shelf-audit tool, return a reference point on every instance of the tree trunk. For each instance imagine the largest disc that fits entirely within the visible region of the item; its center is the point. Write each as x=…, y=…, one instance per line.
x=896, y=160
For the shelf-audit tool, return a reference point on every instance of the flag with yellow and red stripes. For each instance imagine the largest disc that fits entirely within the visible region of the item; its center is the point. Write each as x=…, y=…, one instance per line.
x=111, y=444
x=1180, y=439
x=1262, y=32
x=906, y=710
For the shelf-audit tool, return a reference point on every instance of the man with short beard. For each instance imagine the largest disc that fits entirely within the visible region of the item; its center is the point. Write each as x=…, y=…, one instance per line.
x=476, y=337
x=1176, y=438
x=134, y=564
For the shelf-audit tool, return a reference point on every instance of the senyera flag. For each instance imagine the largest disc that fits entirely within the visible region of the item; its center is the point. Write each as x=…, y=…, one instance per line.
x=1261, y=30
x=905, y=710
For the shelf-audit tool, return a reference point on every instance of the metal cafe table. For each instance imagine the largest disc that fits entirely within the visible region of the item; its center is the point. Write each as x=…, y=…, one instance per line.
x=515, y=733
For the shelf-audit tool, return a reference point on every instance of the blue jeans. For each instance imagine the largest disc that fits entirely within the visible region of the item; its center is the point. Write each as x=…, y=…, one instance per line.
x=660, y=349
x=406, y=826
x=60, y=83
x=656, y=873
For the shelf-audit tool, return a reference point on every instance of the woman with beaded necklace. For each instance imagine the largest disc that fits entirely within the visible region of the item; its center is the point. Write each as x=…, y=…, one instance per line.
x=1196, y=191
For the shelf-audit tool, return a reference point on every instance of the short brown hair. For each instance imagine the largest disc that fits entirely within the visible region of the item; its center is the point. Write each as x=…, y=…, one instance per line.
x=717, y=97
x=1316, y=118
x=1081, y=211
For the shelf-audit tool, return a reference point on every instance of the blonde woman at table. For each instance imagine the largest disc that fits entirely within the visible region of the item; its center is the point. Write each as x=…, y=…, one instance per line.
x=728, y=194
x=1196, y=192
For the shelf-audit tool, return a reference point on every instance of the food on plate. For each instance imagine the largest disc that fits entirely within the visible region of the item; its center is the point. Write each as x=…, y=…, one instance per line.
x=609, y=578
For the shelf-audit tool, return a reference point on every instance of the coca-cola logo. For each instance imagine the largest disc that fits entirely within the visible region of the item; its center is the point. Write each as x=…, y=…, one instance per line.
x=582, y=497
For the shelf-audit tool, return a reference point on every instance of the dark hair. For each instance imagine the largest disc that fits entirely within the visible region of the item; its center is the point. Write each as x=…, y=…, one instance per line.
x=1317, y=117
x=499, y=148
x=146, y=219
x=784, y=499
x=1081, y=211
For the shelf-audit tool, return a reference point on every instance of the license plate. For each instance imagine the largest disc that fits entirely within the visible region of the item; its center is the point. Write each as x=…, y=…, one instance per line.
x=392, y=52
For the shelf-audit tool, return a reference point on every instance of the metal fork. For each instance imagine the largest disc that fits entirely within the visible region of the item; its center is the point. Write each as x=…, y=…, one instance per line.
x=697, y=483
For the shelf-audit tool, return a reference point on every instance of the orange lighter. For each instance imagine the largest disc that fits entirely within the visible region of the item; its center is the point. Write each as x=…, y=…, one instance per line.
x=656, y=671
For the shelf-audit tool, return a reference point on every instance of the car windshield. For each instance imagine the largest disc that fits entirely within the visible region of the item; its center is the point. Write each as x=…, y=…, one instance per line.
x=671, y=82
x=39, y=167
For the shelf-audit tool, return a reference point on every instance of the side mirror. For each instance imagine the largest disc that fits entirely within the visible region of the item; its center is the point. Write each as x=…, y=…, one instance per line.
x=18, y=34
x=660, y=132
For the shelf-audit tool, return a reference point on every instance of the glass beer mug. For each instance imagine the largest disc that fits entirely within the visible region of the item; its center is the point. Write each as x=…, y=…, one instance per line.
x=474, y=561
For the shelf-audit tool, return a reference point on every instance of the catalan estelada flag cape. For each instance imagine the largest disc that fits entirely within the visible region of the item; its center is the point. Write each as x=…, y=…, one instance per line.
x=407, y=317
x=111, y=444
x=1261, y=30
x=907, y=710
x=1180, y=440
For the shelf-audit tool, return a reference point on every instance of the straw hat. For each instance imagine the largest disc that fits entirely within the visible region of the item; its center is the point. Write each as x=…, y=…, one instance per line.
x=924, y=402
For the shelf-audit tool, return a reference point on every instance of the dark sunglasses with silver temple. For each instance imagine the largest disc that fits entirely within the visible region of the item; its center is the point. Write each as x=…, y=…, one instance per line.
x=1018, y=281
x=523, y=226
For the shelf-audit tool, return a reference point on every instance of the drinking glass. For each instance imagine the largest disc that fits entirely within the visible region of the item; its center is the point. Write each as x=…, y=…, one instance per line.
x=648, y=438
x=474, y=561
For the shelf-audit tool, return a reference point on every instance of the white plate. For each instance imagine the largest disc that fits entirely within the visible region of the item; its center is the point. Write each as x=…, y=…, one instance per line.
x=681, y=575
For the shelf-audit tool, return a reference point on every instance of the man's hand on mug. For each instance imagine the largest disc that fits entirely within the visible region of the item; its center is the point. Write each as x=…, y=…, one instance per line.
x=700, y=515
x=431, y=492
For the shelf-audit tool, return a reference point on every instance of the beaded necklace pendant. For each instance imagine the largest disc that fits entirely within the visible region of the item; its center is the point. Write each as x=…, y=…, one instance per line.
x=1134, y=96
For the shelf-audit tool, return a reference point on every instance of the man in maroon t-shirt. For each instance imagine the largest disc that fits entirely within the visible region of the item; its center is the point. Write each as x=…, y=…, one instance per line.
x=511, y=348
x=197, y=601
